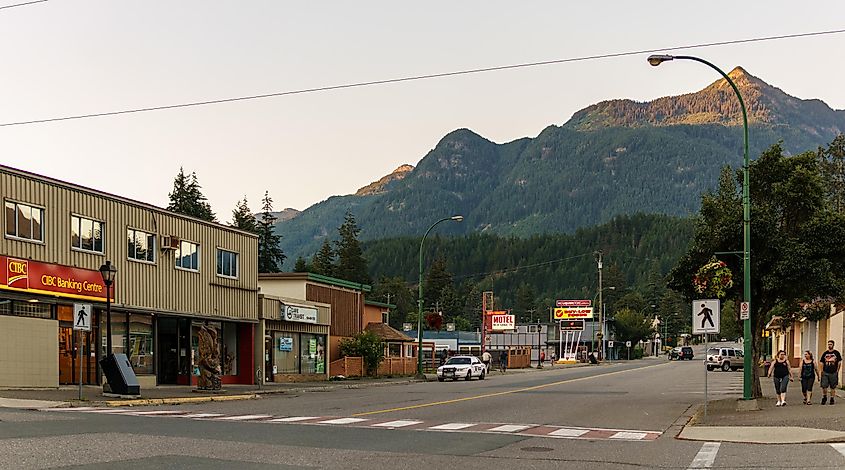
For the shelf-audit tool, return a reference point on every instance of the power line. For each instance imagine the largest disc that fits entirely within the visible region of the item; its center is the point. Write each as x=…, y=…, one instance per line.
x=419, y=77
x=21, y=4
x=527, y=266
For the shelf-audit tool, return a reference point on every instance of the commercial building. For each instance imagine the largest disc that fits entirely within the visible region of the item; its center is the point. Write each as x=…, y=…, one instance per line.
x=174, y=273
x=805, y=334
x=292, y=340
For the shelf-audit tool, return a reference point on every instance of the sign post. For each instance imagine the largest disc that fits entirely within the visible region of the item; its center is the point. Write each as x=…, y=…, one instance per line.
x=745, y=311
x=628, y=345
x=706, y=317
x=81, y=323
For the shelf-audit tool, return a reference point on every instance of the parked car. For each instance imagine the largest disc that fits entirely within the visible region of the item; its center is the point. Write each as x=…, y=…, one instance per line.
x=725, y=358
x=461, y=367
x=685, y=354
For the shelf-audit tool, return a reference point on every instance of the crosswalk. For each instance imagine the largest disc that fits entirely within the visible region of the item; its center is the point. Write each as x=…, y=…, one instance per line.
x=719, y=384
x=528, y=430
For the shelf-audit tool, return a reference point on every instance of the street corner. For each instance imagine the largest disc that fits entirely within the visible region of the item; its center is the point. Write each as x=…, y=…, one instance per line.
x=760, y=434
x=26, y=404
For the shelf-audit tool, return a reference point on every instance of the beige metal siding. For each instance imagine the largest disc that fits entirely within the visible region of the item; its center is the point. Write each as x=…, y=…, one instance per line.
x=159, y=286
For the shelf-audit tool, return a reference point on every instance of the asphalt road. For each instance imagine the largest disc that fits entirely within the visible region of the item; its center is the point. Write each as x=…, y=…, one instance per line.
x=623, y=415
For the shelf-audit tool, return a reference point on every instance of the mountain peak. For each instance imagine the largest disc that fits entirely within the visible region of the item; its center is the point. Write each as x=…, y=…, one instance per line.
x=379, y=187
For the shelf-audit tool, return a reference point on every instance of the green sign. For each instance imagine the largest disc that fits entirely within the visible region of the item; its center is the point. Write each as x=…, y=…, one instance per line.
x=312, y=348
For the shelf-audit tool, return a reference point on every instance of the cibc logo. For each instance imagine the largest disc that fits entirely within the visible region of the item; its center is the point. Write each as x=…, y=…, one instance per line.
x=17, y=271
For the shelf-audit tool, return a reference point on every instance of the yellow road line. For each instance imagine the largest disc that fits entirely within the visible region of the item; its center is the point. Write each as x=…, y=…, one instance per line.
x=506, y=392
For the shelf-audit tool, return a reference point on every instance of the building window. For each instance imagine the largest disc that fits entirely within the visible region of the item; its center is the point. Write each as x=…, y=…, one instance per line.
x=24, y=221
x=187, y=256
x=312, y=353
x=229, y=349
x=227, y=263
x=385, y=316
x=86, y=234
x=141, y=245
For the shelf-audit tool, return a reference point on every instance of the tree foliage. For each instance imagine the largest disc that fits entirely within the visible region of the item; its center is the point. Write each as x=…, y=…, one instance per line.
x=270, y=254
x=351, y=264
x=187, y=197
x=323, y=262
x=243, y=218
x=798, y=246
x=366, y=345
x=631, y=325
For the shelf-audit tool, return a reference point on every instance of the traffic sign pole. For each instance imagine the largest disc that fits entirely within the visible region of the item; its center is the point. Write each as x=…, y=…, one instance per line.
x=78, y=335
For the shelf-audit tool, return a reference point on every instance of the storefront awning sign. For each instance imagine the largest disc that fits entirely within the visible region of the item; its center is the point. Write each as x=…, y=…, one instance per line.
x=299, y=314
x=35, y=277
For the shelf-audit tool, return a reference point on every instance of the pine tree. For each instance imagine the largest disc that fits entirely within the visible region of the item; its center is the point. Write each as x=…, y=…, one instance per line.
x=187, y=198
x=243, y=218
x=351, y=264
x=270, y=254
x=301, y=265
x=323, y=261
x=526, y=303
x=437, y=280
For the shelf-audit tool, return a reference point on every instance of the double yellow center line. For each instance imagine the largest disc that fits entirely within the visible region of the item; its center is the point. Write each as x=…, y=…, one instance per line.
x=506, y=392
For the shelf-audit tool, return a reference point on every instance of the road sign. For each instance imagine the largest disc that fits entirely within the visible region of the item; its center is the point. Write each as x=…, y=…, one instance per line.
x=745, y=310
x=573, y=303
x=82, y=316
x=407, y=327
x=572, y=325
x=610, y=344
x=705, y=316
x=573, y=313
x=627, y=344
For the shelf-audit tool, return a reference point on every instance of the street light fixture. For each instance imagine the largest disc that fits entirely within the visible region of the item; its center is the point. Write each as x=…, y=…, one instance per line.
x=420, y=375
x=108, y=271
x=656, y=60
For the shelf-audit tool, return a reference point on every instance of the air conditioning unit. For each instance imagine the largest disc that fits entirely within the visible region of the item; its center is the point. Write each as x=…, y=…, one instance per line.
x=169, y=242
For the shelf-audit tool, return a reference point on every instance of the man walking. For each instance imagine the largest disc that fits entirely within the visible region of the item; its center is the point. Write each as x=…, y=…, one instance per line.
x=708, y=316
x=486, y=358
x=831, y=362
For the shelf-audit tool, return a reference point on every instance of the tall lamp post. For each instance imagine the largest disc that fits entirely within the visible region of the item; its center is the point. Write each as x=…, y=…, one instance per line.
x=456, y=218
x=656, y=60
x=108, y=272
x=600, y=335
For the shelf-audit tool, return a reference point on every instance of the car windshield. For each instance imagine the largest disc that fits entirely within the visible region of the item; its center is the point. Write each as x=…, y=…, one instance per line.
x=458, y=360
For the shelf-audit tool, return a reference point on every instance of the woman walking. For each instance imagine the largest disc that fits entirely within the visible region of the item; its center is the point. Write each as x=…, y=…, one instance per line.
x=809, y=374
x=781, y=371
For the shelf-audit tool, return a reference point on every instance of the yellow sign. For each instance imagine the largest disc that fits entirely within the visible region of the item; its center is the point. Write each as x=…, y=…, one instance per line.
x=572, y=313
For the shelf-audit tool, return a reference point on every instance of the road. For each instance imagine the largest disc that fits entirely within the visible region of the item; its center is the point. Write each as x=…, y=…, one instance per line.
x=623, y=415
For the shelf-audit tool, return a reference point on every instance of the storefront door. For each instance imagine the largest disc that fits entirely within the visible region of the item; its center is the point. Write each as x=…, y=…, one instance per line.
x=69, y=343
x=168, y=351
x=268, y=358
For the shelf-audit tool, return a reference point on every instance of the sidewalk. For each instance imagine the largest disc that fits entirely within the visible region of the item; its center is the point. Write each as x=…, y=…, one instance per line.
x=794, y=423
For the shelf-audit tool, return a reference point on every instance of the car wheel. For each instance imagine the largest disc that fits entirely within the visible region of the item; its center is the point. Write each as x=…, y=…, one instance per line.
x=469, y=375
x=481, y=377
x=440, y=379
x=726, y=366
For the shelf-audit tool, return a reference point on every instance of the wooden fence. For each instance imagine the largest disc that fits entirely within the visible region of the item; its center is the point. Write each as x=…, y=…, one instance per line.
x=347, y=366
x=390, y=366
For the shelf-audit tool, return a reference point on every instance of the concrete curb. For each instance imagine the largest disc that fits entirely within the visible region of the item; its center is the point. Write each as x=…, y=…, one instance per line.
x=176, y=400
x=761, y=434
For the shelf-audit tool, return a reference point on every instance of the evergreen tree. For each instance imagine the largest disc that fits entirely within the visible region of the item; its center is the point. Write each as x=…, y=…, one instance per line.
x=187, y=198
x=526, y=303
x=323, y=262
x=437, y=279
x=351, y=264
x=270, y=254
x=301, y=265
x=243, y=218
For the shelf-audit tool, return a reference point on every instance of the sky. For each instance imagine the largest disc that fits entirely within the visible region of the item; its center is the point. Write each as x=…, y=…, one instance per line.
x=68, y=57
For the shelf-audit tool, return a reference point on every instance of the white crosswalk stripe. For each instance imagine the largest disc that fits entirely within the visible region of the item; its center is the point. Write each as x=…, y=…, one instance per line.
x=706, y=456
x=244, y=417
x=569, y=432
x=452, y=426
x=343, y=421
x=511, y=428
x=292, y=419
x=628, y=435
x=839, y=447
x=397, y=424
x=201, y=415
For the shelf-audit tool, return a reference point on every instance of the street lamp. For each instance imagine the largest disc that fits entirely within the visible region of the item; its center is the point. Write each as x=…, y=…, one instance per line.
x=656, y=60
x=420, y=375
x=600, y=335
x=108, y=272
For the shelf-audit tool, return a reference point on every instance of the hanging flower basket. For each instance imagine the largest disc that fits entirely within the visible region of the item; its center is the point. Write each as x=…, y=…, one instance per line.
x=434, y=321
x=713, y=279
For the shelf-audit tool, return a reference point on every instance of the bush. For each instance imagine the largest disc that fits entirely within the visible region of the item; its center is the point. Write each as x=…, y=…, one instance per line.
x=366, y=345
x=637, y=353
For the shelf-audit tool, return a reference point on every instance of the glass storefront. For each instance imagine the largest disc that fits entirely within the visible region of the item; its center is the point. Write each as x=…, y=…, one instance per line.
x=227, y=342
x=298, y=353
x=140, y=347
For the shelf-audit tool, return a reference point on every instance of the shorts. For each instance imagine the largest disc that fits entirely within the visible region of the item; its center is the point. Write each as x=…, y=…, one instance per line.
x=781, y=383
x=807, y=384
x=830, y=379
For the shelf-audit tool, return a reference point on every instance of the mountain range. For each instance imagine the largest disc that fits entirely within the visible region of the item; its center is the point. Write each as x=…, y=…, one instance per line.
x=612, y=158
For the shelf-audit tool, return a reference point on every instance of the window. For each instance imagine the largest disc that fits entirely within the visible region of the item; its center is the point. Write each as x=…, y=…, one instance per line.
x=227, y=263
x=24, y=221
x=86, y=234
x=312, y=354
x=140, y=343
x=141, y=245
x=385, y=316
x=187, y=256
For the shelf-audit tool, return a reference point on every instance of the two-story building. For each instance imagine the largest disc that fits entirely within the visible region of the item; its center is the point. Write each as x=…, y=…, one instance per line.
x=174, y=273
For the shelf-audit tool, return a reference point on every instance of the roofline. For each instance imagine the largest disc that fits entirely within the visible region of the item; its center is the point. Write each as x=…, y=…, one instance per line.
x=116, y=198
x=333, y=281
x=375, y=303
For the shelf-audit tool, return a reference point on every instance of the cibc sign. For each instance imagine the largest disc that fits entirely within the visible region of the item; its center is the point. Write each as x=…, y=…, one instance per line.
x=299, y=314
x=51, y=279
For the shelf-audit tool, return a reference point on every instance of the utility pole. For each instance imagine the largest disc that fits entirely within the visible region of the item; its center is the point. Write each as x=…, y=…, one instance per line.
x=600, y=334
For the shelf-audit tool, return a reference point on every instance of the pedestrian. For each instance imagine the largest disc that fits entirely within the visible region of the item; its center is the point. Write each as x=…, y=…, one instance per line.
x=781, y=371
x=831, y=361
x=486, y=358
x=542, y=357
x=503, y=360
x=809, y=374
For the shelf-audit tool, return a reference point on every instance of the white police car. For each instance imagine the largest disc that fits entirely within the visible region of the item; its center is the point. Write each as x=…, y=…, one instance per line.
x=461, y=367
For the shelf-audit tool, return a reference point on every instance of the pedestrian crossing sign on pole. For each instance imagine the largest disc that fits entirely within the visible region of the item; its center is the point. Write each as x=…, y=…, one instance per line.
x=705, y=316
x=82, y=316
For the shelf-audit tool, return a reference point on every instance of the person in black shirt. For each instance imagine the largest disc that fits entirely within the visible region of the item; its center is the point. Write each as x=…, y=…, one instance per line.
x=781, y=371
x=831, y=361
x=809, y=374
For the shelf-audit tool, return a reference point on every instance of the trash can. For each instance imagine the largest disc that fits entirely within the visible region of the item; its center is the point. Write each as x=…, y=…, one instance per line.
x=120, y=375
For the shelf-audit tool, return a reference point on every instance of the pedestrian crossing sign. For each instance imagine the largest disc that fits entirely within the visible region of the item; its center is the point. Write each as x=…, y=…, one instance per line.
x=705, y=316
x=82, y=316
